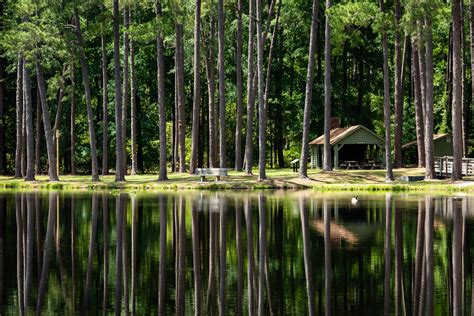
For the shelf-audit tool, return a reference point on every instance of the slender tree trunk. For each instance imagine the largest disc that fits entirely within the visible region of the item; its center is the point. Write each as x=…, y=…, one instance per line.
x=160, y=63
x=457, y=93
x=126, y=83
x=261, y=106
x=38, y=135
x=19, y=116
x=471, y=28
x=133, y=111
x=59, y=107
x=420, y=127
x=180, y=93
x=327, y=159
x=28, y=114
x=309, y=91
x=119, y=172
x=211, y=88
x=87, y=90
x=250, y=91
x=397, y=144
x=105, y=109
x=196, y=88
x=386, y=101
x=238, y=70
x=429, y=149
x=221, y=64
x=73, y=120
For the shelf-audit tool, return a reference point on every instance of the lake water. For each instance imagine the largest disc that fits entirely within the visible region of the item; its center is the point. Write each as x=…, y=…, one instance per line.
x=281, y=253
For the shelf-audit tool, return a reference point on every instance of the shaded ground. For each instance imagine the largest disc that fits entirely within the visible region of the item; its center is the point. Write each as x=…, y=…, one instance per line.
x=368, y=180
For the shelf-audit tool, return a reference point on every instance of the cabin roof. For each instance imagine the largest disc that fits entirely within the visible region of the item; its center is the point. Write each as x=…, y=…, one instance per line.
x=435, y=138
x=338, y=134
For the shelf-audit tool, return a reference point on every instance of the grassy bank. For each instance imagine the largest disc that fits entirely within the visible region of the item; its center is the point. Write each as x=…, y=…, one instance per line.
x=343, y=180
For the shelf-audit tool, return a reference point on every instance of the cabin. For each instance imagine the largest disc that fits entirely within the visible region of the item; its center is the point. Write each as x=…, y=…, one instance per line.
x=352, y=147
x=442, y=146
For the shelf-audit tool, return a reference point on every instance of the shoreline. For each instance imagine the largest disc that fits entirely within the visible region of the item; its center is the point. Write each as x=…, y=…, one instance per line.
x=279, y=179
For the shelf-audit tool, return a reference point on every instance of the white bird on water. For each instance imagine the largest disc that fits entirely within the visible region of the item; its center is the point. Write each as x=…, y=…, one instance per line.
x=355, y=200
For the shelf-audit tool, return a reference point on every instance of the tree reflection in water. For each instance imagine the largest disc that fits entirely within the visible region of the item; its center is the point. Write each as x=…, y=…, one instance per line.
x=249, y=253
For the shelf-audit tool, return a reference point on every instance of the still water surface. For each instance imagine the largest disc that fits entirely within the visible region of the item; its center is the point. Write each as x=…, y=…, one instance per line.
x=282, y=253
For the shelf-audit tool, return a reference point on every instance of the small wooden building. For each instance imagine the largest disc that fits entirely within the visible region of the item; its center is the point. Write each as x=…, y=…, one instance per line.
x=354, y=143
x=442, y=146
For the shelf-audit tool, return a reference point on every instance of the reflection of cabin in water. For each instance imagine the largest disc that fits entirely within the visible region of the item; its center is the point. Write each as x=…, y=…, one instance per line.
x=352, y=147
x=442, y=146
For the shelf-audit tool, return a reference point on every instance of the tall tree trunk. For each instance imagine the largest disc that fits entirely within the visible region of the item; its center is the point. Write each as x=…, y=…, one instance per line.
x=19, y=116
x=180, y=94
x=105, y=109
x=52, y=171
x=59, y=107
x=73, y=120
x=160, y=63
x=28, y=114
x=196, y=88
x=386, y=101
x=309, y=91
x=133, y=111
x=211, y=88
x=126, y=83
x=38, y=135
x=429, y=149
x=420, y=127
x=221, y=64
x=261, y=105
x=250, y=91
x=471, y=28
x=238, y=70
x=327, y=159
x=119, y=172
x=87, y=90
x=397, y=144
x=457, y=93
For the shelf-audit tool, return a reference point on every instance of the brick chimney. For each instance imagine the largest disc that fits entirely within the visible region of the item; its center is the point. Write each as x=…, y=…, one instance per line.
x=335, y=122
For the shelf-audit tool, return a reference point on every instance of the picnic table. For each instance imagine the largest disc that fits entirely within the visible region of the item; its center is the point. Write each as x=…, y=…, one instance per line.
x=295, y=164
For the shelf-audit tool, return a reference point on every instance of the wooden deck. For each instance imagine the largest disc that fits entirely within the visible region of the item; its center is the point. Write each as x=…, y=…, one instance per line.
x=444, y=166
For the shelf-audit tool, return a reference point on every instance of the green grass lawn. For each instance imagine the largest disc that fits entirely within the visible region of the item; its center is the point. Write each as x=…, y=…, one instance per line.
x=341, y=180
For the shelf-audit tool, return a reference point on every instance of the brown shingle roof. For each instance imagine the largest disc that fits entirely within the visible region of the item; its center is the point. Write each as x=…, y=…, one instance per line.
x=414, y=143
x=336, y=134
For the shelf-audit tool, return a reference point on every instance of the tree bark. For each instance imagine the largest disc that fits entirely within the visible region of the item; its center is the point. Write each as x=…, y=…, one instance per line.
x=211, y=88
x=119, y=174
x=180, y=93
x=73, y=120
x=87, y=91
x=309, y=91
x=429, y=149
x=28, y=114
x=19, y=116
x=238, y=70
x=126, y=83
x=457, y=93
x=250, y=91
x=160, y=63
x=221, y=65
x=471, y=28
x=397, y=144
x=327, y=159
x=105, y=109
x=196, y=88
x=261, y=105
x=38, y=135
x=133, y=101
x=52, y=171
x=386, y=101
x=420, y=127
